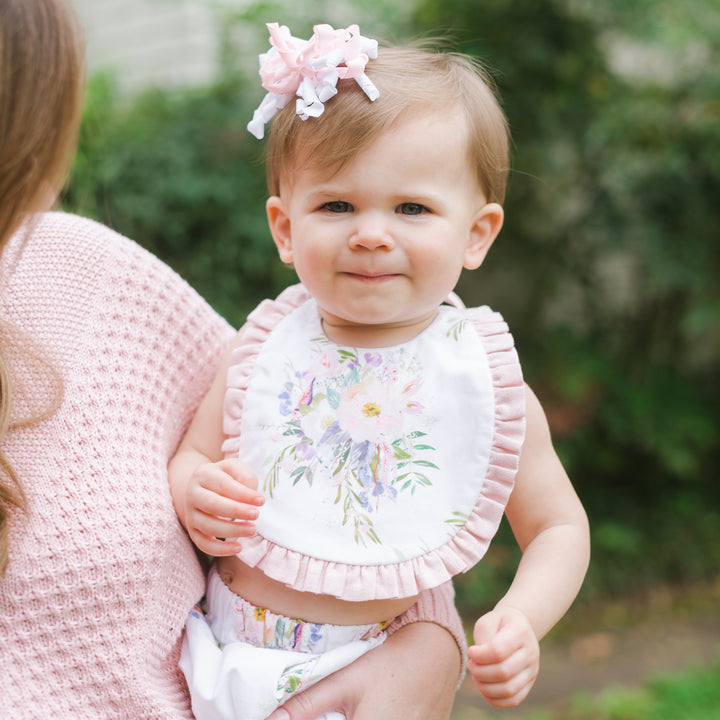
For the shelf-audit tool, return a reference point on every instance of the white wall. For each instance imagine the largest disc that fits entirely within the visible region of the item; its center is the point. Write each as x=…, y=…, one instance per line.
x=175, y=43
x=151, y=42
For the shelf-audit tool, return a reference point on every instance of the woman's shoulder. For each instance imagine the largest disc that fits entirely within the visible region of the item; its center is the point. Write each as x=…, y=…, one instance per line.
x=66, y=234
x=90, y=251
x=73, y=227
x=93, y=264
x=69, y=247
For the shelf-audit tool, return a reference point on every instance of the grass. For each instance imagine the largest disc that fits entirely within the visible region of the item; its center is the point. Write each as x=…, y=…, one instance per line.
x=691, y=695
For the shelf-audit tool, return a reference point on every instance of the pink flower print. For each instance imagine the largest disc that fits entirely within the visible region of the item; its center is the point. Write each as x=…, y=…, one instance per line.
x=307, y=397
x=329, y=363
x=411, y=388
x=286, y=464
x=351, y=419
x=413, y=406
x=370, y=412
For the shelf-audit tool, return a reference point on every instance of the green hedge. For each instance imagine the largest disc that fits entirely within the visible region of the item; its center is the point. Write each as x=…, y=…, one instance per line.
x=607, y=268
x=179, y=173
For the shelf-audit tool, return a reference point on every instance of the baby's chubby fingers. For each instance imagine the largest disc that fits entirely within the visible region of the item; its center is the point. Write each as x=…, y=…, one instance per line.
x=221, y=501
x=226, y=489
x=504, y=660
x=239, y=482
x=500, y=634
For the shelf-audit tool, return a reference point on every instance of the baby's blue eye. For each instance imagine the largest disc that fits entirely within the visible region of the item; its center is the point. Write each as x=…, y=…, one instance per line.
x=409, y=208
x=337, y=206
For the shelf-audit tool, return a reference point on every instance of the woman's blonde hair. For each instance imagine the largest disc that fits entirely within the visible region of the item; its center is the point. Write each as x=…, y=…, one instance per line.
x=411, y=80
x=42, y=81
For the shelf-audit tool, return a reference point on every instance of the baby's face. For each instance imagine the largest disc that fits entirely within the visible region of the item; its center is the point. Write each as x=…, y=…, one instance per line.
x=381, y=242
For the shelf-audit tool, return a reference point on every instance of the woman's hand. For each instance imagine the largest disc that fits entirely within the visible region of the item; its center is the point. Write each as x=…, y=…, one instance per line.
x=413, y=675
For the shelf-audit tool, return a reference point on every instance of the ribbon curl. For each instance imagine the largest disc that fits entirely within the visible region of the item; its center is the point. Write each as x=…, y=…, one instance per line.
x=310, y=70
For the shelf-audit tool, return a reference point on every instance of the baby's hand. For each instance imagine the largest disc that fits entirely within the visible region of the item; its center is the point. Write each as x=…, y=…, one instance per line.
x=505, y=659
x=221, y=503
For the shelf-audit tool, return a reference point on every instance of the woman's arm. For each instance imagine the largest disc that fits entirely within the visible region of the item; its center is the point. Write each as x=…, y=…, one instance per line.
x=413, y=675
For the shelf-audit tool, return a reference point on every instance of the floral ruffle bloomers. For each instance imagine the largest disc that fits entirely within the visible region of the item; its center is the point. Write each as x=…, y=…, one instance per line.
x=242, y=661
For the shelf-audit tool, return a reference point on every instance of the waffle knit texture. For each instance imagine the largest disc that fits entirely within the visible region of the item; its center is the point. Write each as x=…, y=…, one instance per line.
x=101, y=574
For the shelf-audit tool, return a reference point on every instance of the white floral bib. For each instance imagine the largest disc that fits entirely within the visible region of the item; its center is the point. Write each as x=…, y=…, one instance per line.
x=378, y=465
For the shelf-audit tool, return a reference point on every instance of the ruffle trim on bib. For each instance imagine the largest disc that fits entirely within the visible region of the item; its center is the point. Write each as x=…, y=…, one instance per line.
x=462, y=550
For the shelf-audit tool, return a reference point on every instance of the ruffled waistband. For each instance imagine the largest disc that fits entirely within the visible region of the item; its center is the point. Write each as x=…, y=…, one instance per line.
x=234, y=619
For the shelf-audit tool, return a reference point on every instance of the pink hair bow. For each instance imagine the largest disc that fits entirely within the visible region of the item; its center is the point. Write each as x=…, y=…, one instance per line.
x=310, y=70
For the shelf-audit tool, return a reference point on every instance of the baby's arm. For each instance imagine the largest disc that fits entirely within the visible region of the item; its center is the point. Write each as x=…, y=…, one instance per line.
x=551, y=528
x=214, y=498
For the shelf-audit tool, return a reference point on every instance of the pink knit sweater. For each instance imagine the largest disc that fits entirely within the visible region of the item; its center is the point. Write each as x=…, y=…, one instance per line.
x=101, y=574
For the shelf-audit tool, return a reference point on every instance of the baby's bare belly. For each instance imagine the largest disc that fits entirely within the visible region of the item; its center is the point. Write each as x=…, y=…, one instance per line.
x=260, y=590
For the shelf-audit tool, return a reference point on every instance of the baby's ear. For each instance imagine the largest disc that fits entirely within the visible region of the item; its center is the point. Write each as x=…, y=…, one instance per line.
x=279, y=223
x=485, y=228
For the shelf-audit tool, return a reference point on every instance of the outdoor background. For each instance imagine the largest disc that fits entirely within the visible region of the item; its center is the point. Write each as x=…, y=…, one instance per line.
x=607, y=271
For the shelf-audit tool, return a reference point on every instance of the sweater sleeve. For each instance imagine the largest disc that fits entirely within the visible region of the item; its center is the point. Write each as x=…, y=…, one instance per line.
x=101, y=574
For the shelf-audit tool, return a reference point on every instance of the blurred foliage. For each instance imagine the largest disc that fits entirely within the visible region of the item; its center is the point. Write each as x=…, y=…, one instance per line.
x=179, y=173
x=691, y=695
x=606, y=270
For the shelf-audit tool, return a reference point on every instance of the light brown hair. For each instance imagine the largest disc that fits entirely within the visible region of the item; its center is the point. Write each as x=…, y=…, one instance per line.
x=42, y=80
x=411, y=80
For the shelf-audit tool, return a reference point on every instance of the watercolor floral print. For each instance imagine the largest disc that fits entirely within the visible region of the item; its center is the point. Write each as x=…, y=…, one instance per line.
x=305, y=672
x=348, y=417
x=295, y=676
